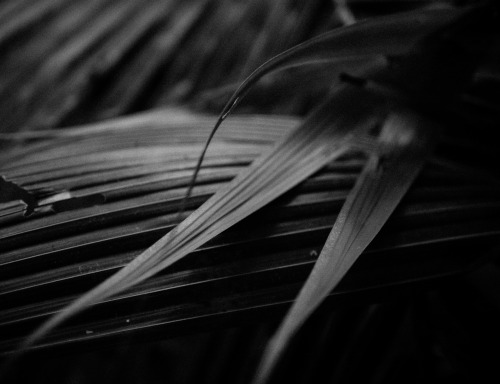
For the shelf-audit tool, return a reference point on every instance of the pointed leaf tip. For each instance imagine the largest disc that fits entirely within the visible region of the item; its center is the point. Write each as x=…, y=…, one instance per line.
x=404, y=143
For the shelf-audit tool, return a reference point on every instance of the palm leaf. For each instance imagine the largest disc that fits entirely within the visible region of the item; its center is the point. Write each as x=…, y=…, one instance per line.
x=50, y=258
x=82, y=197
x=377, y=192
x=299, y=155
x=255, y=188
x=405, y=142
x=372, y=38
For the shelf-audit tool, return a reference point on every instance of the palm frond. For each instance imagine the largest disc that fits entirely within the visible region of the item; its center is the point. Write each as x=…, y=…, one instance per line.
x=81, y=206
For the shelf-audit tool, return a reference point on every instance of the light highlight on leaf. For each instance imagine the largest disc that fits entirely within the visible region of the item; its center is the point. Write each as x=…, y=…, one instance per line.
x=403, y=145
x=324, y=136
x=387, y=36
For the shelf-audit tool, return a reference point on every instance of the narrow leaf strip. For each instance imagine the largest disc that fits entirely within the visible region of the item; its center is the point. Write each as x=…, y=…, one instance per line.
x=387, y=36
x=403, y=146
x=324, y=136
x=390, y=35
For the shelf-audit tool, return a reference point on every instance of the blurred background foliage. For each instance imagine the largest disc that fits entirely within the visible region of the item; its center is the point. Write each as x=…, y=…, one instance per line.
x=69, y=62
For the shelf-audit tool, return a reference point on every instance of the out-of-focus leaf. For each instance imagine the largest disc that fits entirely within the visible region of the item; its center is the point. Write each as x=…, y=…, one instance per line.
x=344, y=13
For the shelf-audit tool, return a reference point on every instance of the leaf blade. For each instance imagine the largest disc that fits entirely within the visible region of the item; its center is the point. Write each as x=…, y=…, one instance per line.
x=371, y=37
x=324, y=136
x=377, y=193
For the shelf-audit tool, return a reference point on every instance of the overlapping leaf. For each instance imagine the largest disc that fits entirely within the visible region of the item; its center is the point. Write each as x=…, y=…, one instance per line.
x=404, y=143
x=325, y=135
x=372, y=39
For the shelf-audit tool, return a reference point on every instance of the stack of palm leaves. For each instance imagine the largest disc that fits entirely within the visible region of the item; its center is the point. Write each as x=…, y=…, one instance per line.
x=94, y=215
